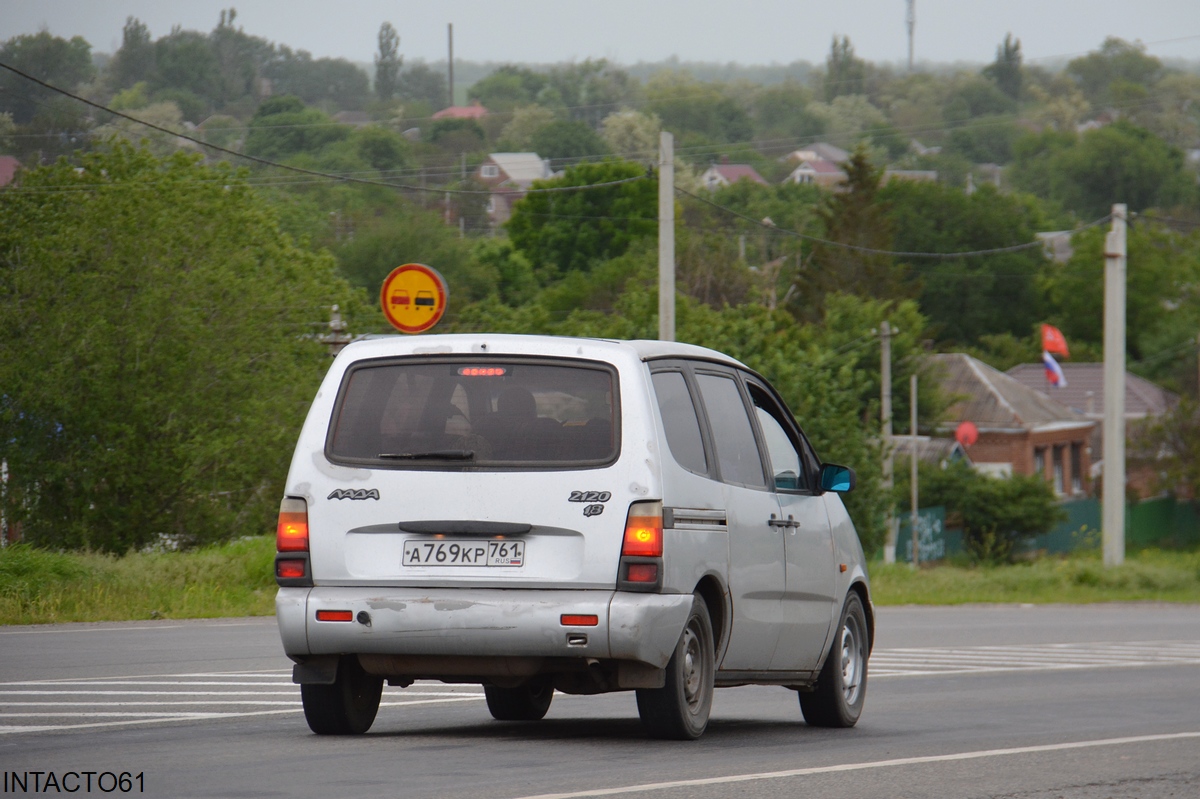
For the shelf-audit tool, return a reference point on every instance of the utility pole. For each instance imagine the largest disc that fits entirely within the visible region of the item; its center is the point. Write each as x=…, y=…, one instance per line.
x=1113, y=508
x=912, y=428
x=911, y=19
x=666, y=236
x=885, y=416
x=450, y=60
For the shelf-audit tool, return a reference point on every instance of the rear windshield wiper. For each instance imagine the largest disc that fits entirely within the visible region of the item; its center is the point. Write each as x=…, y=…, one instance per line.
x=434, y=455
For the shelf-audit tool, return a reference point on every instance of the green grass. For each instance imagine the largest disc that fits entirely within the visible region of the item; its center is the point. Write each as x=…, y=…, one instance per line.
x=1149, y=575
x=233, y=579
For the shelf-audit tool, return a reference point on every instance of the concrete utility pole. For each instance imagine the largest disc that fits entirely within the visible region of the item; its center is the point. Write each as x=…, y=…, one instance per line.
x=1113, y=509
x=450, y=60
x=912, y=428
x=666, y=236
x=911, y=19
x=885, y=416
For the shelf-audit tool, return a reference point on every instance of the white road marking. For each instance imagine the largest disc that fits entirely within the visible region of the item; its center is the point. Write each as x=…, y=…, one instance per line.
x=912, y=662
x=845, y=767
x=91, y=703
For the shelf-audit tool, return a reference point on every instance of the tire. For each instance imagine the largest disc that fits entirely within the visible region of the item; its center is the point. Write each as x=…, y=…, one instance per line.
x=528, y=702
x=679, y=710
x=841, y=689
x=347, y=707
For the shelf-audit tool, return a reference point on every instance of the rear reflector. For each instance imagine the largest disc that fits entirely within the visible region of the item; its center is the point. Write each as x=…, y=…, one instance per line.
x=291, y=533
x=335, y=615
x=290, y=569
x=579, y=620
x=644, y=530
x=642, y=573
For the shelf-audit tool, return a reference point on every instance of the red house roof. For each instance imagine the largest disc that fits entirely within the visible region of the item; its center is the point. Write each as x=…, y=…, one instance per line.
x=472, y=111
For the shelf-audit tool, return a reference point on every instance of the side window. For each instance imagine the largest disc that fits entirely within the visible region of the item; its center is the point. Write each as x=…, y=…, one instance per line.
x=733, y=435
x=787, y=463
x=680, y=422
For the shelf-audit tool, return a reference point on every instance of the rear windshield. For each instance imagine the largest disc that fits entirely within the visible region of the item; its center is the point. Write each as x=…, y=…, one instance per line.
x=491, y=413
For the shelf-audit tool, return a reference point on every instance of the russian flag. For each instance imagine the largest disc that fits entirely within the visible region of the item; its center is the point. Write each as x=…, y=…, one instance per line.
x=1054, y=372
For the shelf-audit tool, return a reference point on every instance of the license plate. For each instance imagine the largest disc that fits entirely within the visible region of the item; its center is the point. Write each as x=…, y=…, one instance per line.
x=494, y=552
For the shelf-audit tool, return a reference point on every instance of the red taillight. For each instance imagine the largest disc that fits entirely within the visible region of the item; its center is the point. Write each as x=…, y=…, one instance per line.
x=291, y=533
x=641, y=573
x=290, y=569
x=335, y=615
x=643, y=531
x=579, y=620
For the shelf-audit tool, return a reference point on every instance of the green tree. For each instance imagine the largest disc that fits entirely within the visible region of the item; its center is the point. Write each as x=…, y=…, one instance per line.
x=965, y=299
x=324, y=82
x=709, y=112
x=283, y=127
x=1116, y=62
x=387, y=62
x=998, y=514
x=507, y=88
x=845, y=73
x=855, y=217
x=560, y=232
x=566, y=139
x=134, y=62
x=185, y=60
x=1005, y=71
x=155, y=351
x=55, y=60
x=421, y=84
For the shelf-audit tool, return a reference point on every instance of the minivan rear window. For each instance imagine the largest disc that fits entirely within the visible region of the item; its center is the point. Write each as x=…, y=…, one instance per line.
x=476, y=413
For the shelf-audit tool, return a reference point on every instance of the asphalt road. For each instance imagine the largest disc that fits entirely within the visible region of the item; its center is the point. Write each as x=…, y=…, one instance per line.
x=1059, y=702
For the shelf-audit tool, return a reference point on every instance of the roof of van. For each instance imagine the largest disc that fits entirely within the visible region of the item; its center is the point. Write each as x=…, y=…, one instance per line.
x=509, y=343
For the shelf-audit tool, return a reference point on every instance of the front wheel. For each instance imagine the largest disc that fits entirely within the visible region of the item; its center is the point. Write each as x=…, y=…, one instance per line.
x=528, y=702
x=348, y=706
x=679, y=710
x=837, y=700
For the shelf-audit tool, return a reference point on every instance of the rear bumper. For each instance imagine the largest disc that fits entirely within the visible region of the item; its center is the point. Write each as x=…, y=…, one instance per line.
x=482, y=623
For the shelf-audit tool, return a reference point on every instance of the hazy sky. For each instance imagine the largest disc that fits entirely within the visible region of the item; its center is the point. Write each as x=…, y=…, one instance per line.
x=627, y=31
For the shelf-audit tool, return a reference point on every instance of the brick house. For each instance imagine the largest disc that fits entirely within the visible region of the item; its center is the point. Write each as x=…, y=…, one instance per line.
x=1084, y=394
x=509, y=176
x=1021, y=431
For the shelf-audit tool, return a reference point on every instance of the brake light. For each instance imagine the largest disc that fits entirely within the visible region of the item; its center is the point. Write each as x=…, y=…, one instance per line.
x=643, y=531
x=291, y=533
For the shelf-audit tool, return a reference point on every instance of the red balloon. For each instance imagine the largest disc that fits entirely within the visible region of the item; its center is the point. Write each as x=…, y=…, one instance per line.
x=966, y=433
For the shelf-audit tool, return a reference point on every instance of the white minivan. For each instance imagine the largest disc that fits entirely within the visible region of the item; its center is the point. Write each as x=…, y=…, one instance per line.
x=538, y=514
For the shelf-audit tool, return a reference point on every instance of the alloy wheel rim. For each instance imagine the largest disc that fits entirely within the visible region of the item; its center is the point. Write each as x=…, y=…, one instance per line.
x=853, y=661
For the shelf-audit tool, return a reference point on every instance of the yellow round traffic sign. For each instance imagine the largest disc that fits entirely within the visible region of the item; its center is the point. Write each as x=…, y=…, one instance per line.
x=413, y=298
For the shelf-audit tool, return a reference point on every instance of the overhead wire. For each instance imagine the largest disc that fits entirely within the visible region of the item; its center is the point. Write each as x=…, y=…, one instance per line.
x=302, y=170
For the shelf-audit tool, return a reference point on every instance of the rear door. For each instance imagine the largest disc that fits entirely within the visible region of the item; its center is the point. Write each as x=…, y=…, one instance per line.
x=756, y=549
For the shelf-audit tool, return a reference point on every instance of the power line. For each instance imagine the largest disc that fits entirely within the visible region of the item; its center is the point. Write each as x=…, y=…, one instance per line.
x=302, y=170
x=894, y=253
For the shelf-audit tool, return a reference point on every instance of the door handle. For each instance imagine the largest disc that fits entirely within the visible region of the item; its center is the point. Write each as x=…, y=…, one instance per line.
x=788, y=523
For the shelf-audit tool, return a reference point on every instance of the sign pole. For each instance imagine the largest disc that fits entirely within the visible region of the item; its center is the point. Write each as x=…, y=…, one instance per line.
x=912, y=385
x=666, y=236
x=1113, y=503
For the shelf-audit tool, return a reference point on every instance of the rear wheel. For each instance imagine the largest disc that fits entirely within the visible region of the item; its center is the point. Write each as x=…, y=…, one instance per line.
x=348, y=706
x=528, y=702
x=837, y=700
x=679, y=710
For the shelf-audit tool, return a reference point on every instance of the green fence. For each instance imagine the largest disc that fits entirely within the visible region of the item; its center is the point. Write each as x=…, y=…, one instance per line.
x=1156, y=523
x=934, y=541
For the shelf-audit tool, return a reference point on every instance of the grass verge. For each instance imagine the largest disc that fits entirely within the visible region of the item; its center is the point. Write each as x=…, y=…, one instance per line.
x=233, y=579
x=1149, y=575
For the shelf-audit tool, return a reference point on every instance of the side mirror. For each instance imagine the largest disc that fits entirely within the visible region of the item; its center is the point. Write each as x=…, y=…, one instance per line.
x=836, y=478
